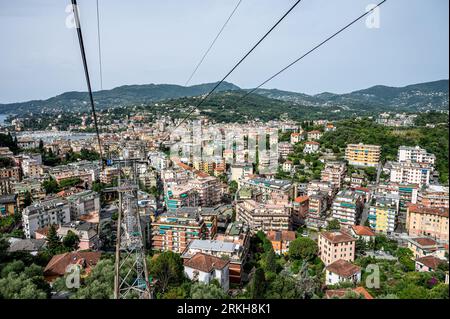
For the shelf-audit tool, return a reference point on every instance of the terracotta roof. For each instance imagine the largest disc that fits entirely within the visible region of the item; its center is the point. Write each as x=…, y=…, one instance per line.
x=312, y=143
x=425, y=241
x=314, y=132
x=362, y=291
x=285, y=235
x=343, y=268
x=58, y=264
x=205, y=263
x=420, y=209
x=301, y=199
x=363, y=230
x=337, y=236
x=430, y=261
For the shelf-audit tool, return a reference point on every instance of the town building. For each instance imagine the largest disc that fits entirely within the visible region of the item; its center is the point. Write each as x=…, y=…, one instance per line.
x=342, y=271
x=383, y=213
x=174, y=231
x=57, y=266
x=239, y=171
x=8, y=205
x=281, y=240
x=428, y=263
x=410, y=173
x=83, y=203
x=276, y=189
x=86, y=232
x=427, y=221
x=263, y=216
x=415, y=154
x=333, y=173
x=311, y=147
x=49, y=211
x=347, y=207
x=314, y=135
x=284, y=149
x=425, y=246
x=205, y=268
x=362, y=232
x=363, y=154
x=434, y=196
x=335, y=245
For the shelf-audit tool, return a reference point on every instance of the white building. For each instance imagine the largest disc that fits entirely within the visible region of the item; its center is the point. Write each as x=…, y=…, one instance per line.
x=410, y=173
x=49, y=211
x=415, y=155
x=342, y=271
x=205, y=268
x=311, y=147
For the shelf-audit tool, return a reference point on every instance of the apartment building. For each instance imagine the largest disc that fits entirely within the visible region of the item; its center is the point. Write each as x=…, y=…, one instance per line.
x=347, y=207
x=109, y=174
x=13, y=172
x=284, y=149
x=49, y=211
x=83, y=203
x=434, y=196
x=174, y=231
x=336, y=245
x=296, y=137
x=415, y=154
x=383, y=213
x=334, y=173
x=208, y=190
x=427, y=221
x=263, y=216
x=8, y=205
x=177, y=196
x=410, y=173
x=270, y=188
x=300, y=208
x=425, y=246
x=31, y=167
x=29, y=185
x=363, y=154
x=318, y=204
x=86, y=232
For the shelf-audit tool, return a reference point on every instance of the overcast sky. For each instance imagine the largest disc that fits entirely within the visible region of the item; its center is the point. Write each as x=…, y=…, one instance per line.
x=150, y=41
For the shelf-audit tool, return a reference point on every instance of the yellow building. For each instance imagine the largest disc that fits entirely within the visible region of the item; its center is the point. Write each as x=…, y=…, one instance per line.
x=363, y=154
x=383, y=213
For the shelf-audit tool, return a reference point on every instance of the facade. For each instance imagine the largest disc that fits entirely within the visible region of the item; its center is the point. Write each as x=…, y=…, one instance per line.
x=347, y=207
x=33, y=186
x=318, y=204
x=415, y=155
x=263, y=217
x=239, y=171
x=174, y=231
x=180, y=196
x=334, y=173
x=49, y=211
x=83, y=203
x=336, y=245
x=314, y=135
x=410, y=173
x=363, y=154
x=284, y=149
x=362, y=232
x=427, y=221
x=270, y=188
x=300, y=208
x=383, y=213
x=296, y=137
x=428, y=263
x=85, y=231
x=205, y=268
x=424, y=246
x=208, y=190
x=434, y=196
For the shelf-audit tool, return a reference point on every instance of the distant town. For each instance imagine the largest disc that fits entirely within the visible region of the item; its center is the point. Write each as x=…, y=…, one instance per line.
x=355, y=208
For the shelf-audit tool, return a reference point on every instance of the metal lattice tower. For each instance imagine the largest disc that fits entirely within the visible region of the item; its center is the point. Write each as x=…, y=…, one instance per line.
x=131, y=276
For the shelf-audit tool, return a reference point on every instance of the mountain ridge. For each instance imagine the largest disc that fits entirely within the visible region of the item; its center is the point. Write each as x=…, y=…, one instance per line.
x=414, y=97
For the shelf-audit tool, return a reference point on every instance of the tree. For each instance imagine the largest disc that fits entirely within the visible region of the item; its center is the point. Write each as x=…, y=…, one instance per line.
x=51, y=186
x=4, y=245
x=24, y=283
x=100, y=282
x=333, y=224
x=360, y=246
x=282, y=287
x=258, y=284
x=201, y=291
x=27, y=199
x=41, y=146
x=233, y=187
x=71, y=241
x=270, y=262
x=303, y=248
x=167, y=267
x=53, y=242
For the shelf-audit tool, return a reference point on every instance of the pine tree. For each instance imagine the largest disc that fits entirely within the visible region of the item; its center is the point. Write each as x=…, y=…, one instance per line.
x=258, y=284
x=53, y=242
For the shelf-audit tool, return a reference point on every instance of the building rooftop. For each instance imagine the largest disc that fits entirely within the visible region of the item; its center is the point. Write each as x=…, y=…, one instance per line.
x=337, y=236
x=205, y=263
x=213, y=245
x=343, y=268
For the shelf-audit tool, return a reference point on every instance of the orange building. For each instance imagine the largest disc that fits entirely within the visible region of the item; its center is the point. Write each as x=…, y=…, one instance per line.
x=281, y=240
x=336, y=245
x=427, y=221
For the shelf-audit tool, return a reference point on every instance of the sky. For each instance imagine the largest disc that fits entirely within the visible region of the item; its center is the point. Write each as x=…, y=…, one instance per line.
x=151, y=41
